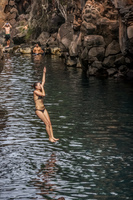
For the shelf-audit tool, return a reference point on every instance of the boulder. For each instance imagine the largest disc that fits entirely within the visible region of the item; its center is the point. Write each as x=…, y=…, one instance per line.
x=25, y=50
x=14, y=10
x=13, y=22
x=130, y=32
x=2, y=37
x=3, y=4
x=92, y=71
x=122, y=68
x=97, y=52
x=20, y=36
x=120, y=61
x=84, y=54
x=11, y=3
x=112, y=71
x=89, y=28
x=65, y=36
x=55, y=51
x=97, y=64
x=113, y=48
x=12, y=16
x=73, y=50
x=43, y=38
x=93, y=41
x=23, y=17
x=1, y=52
x=8, y=50
x=110, y=60
x=71, y=62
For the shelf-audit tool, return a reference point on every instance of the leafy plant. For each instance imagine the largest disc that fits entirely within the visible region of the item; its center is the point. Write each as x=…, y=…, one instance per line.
x=29, y=34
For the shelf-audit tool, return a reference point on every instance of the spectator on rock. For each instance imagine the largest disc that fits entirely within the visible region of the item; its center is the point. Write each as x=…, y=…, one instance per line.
x=7, y=26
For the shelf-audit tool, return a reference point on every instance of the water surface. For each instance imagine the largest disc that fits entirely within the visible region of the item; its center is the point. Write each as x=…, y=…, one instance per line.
x=93, y=120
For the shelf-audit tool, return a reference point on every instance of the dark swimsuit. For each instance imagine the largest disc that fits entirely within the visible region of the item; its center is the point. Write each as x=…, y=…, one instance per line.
x=42, y=110
x=7, y=37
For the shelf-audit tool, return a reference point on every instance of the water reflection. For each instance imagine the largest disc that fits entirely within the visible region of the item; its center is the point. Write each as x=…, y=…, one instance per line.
x=46, y=178
x=3, y=118
x=93, y=119
x=1, y=66
x=37, y=59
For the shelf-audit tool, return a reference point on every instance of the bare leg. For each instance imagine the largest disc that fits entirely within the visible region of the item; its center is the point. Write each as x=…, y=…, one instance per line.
x=46, y=122
x=8, y=43
x=51, y=129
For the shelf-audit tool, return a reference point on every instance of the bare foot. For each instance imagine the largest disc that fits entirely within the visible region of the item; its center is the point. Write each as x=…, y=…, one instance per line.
x=56, y=139
x=51, y=140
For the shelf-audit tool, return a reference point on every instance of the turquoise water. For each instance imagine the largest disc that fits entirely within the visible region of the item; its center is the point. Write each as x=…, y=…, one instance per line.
x=92, y=118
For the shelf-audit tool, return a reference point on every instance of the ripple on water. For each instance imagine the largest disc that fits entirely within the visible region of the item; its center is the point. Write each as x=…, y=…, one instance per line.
x=93, y=120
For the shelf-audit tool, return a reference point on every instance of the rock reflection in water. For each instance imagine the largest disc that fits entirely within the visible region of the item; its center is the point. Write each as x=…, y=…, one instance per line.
x=3, y=118
x=3, y=112
x=1, y=67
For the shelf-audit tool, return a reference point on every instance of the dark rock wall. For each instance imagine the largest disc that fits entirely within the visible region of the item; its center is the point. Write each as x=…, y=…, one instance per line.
x=96, y=35
x=99, y=38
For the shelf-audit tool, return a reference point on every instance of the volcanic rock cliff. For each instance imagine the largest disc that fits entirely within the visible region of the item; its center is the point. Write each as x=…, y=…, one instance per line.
x=96, y=35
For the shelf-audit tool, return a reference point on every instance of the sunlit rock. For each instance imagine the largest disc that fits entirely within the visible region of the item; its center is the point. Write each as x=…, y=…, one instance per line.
x=8, y=50
x=3, y=4
x=73, y=50
x=65, y=36
x=55, y=51
x=130, y=32
x=71, y=62
x=25, y=50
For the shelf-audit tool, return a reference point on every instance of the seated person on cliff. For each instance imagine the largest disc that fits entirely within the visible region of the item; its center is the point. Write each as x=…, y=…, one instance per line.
x=37, y=50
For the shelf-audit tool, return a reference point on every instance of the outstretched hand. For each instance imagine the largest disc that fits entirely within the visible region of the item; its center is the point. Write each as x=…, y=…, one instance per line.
x=44, y=70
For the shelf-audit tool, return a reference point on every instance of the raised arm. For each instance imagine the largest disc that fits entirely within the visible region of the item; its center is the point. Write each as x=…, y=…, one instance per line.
x=43, y=78
x=40, y=93
x=10, y=25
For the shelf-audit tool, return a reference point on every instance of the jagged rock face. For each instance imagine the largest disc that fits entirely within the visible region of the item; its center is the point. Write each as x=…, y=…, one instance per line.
x=125, y=8
x=29, y=19
x=3, y=3
x=44, y=17
x=1, y=53
x=101, y=39
x=94, y=34
x=16, y=13
x=11, y=9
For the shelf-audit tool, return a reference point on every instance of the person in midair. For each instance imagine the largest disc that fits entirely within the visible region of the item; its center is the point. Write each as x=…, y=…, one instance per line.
x=41, y=112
